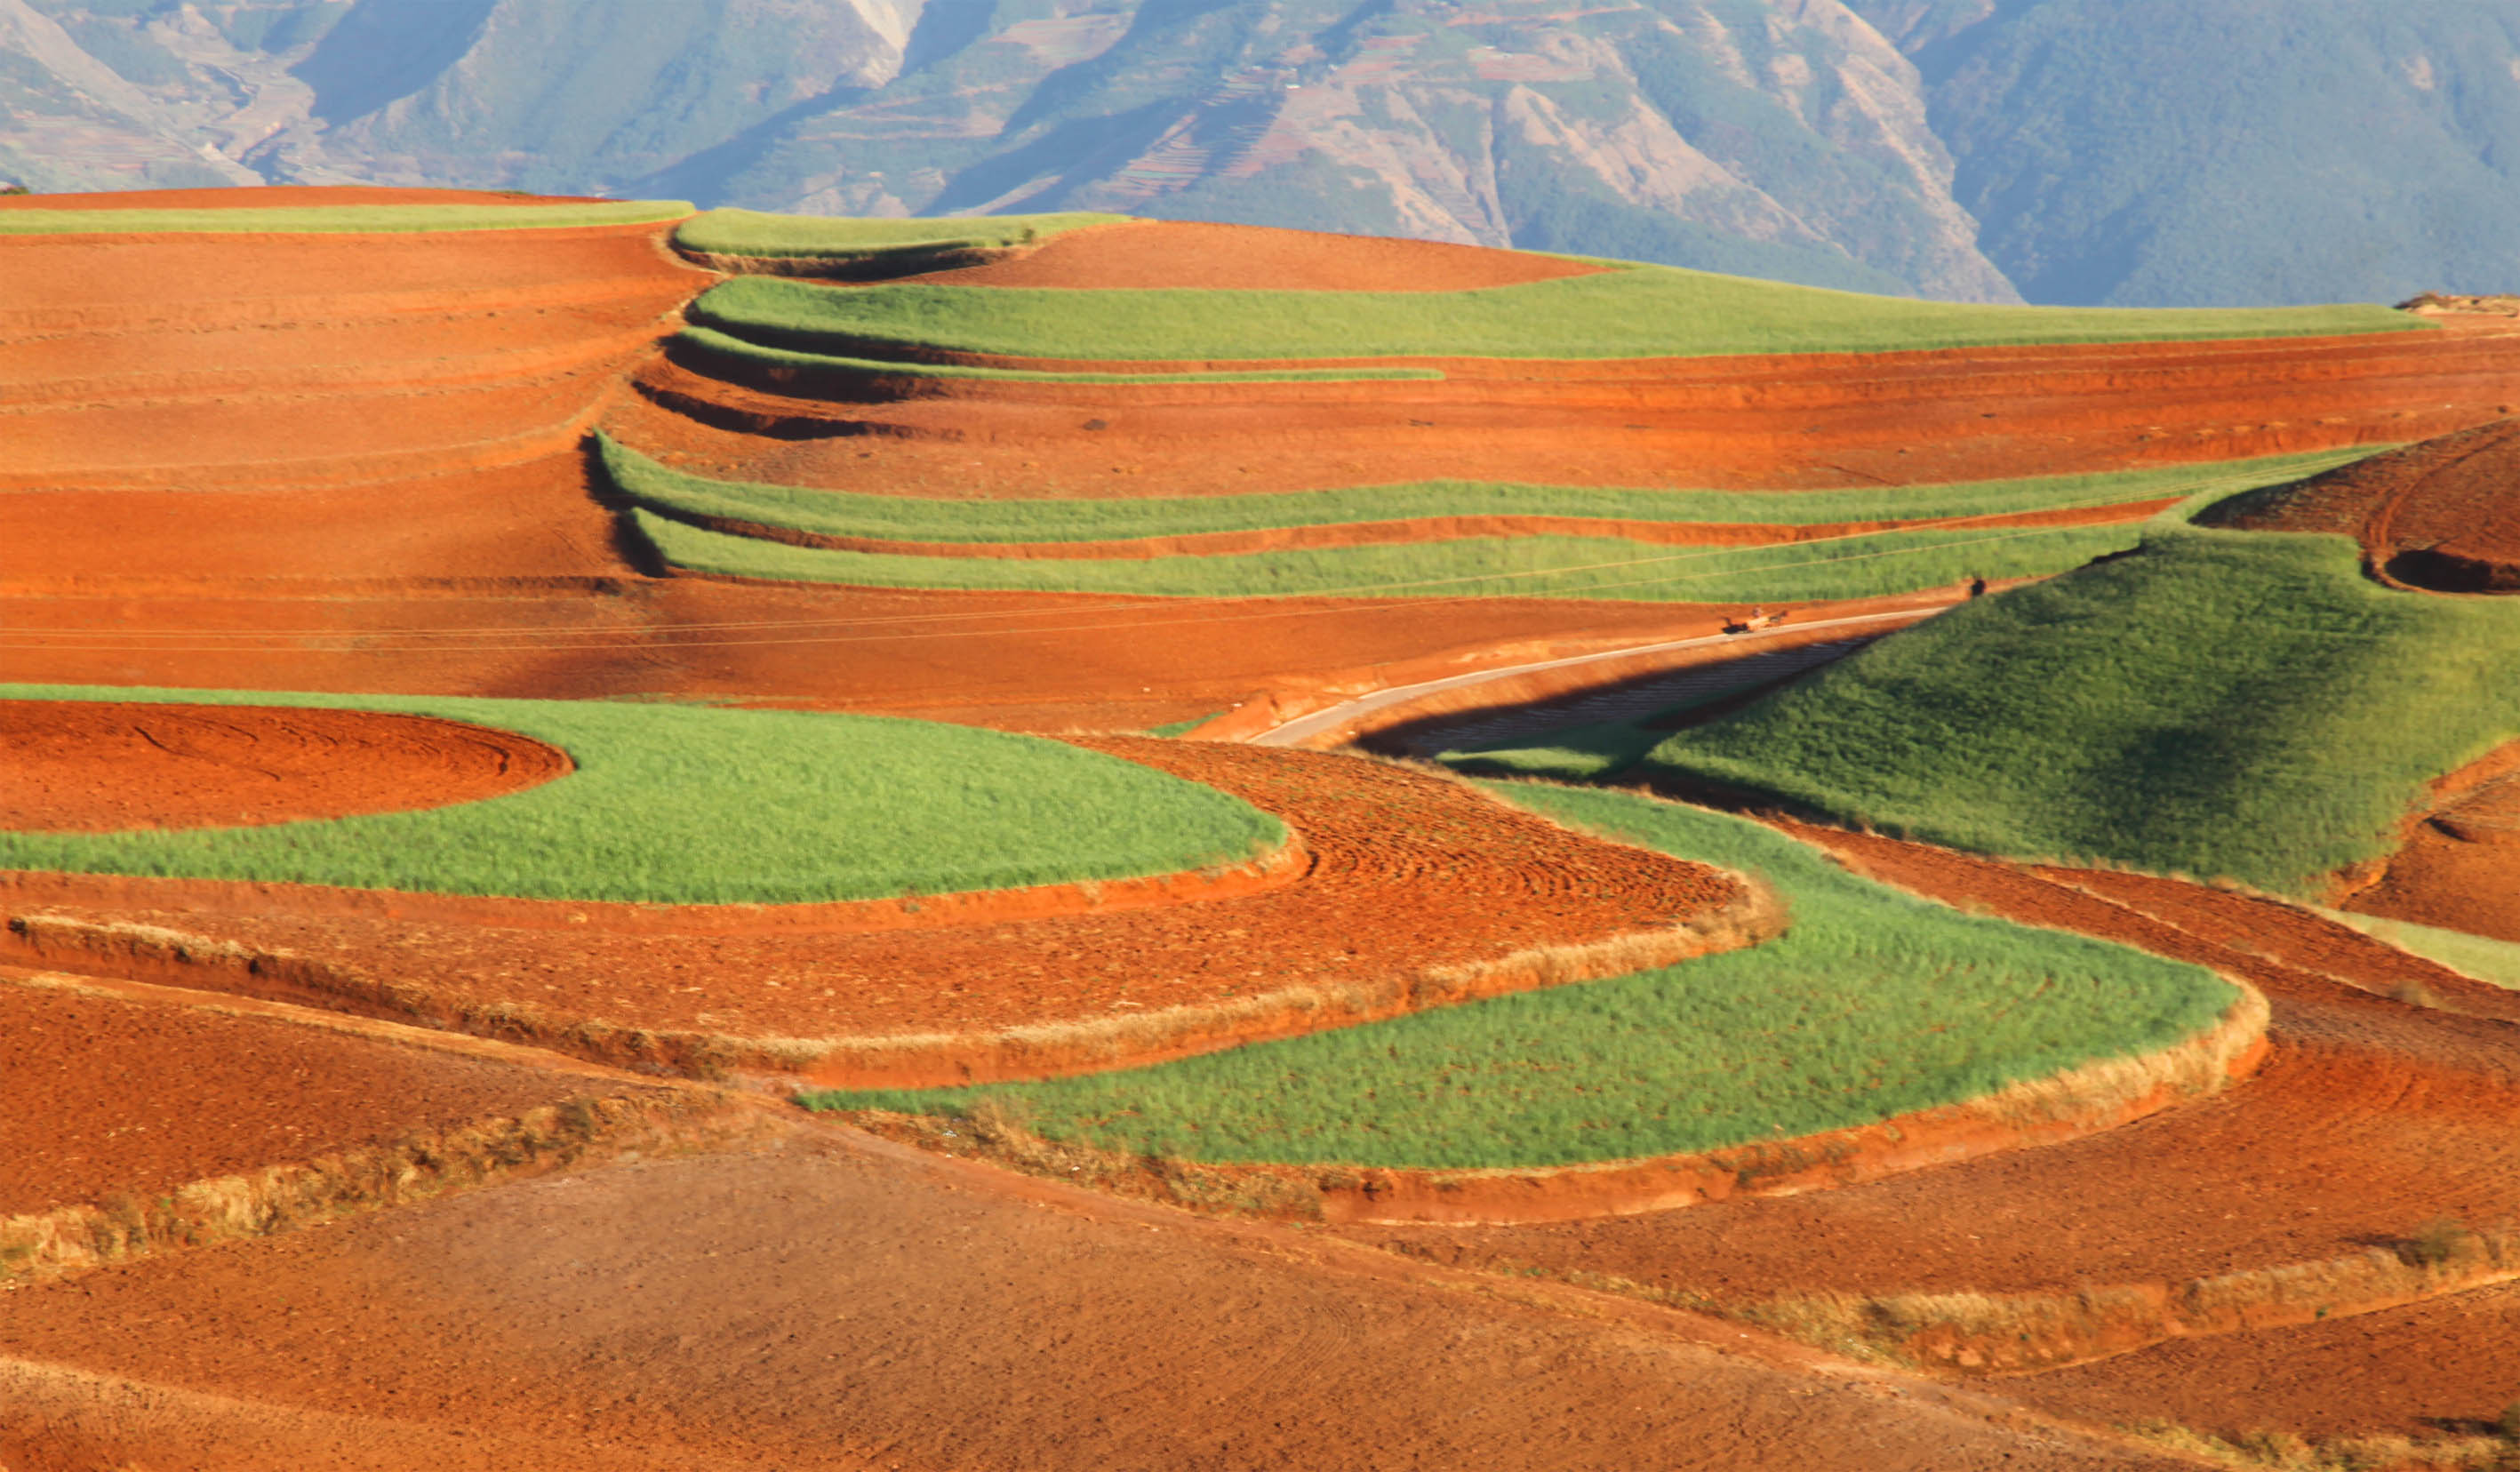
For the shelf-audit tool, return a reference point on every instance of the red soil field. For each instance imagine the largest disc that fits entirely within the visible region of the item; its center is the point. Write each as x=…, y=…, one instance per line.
x=2443, y=515
x=2370, y=1118
x=1410, y=878
x=841, y=1305
x=1747, y=423
x=77, y=766
x=1155, y=253
x=103, y=1094
x=2459, y=868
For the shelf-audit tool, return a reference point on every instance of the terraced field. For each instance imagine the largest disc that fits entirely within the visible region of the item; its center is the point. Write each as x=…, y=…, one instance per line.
x=460, y=808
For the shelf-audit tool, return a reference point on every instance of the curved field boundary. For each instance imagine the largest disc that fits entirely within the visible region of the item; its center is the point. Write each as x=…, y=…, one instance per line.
x=1878, y=565
x=1872, y=1005
x=745, y=242
x=1418, y=891
x=1641, y=312
x=340, y=219
x=1092, y=524
x=1281, y=865
x=677, y=805
x=99, y=766
x=2069, y=1105
x=847, y=379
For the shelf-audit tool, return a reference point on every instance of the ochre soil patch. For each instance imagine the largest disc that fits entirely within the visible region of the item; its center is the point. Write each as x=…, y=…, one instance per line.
x=1142, y=255
x=1746, y=423
x=100, y=1096
x=1411, y=879
x=2370, y=1118
x=795, y=1308
x=287, y=197
x=2443, y=515
x=2458, y=864
x=2429, y=1368
x=82, y=766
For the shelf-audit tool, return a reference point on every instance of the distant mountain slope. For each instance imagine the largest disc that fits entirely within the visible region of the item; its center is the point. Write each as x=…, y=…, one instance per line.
x=2135, y=152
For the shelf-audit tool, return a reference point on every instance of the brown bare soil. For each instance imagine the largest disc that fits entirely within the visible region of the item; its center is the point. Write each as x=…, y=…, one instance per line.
x=841, y=1305
x=80, y=766
x=100, y=1096
x=1416, y=891
x=1142, y=255
x=2457, y=865
x=2370, y=1118
x=2426, y=1370
x=2443, y=515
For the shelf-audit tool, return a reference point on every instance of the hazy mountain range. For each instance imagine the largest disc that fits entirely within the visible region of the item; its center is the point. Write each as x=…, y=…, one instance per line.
x=2129, y=151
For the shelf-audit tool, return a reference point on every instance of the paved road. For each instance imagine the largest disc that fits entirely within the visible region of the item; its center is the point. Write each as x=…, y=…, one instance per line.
x=1296, y=732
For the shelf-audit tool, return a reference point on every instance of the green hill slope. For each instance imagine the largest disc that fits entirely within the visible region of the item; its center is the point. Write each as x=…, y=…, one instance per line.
x=2221, y=703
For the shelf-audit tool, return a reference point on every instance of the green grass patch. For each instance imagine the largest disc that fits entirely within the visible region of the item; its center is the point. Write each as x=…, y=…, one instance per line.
x=914, y=518
x=2221, y=703
x=1641, y=312
x=747, y=232
x=2478, y=955
x=1538, y=566
x=1873, y=1003
x=718, y=351
x=333, y=219
x=692, y=805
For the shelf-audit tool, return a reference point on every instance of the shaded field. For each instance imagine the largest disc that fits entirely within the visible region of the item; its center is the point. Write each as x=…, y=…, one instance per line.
x=691, y=805
x=1639, y=312
x=2279, y=713
x=1872, y=1003
x=788, y=370
x=335, y=219
x=1194, y=254
x=684, y=493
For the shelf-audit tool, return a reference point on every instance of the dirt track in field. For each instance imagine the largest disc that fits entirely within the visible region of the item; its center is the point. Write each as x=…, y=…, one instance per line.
x=93, y=766
x=1408, y=877
x=100, y=1095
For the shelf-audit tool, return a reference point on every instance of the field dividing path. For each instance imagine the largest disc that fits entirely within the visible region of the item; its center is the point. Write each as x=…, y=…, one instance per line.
x=1339, y=720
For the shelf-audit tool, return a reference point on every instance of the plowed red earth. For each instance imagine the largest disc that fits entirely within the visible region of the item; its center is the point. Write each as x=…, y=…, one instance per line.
x=2442, y=514
x=2458, y=867
x=837, y=1306
x=1812, y=421
x=1409, y=874
x=2445, y=1366
x=100, y=1095
x=2370, y=1118
x=77, y=766
x=1156, y=253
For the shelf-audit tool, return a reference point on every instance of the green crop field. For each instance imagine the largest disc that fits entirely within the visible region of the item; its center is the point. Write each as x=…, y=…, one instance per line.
x=914, y=518
x=699, y=805
x=1873, y=1003
x=2223, y=704
x=333, y=219
x=1869, y=566
x=1639, y=312
x=747, y=232
x=717, y=352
